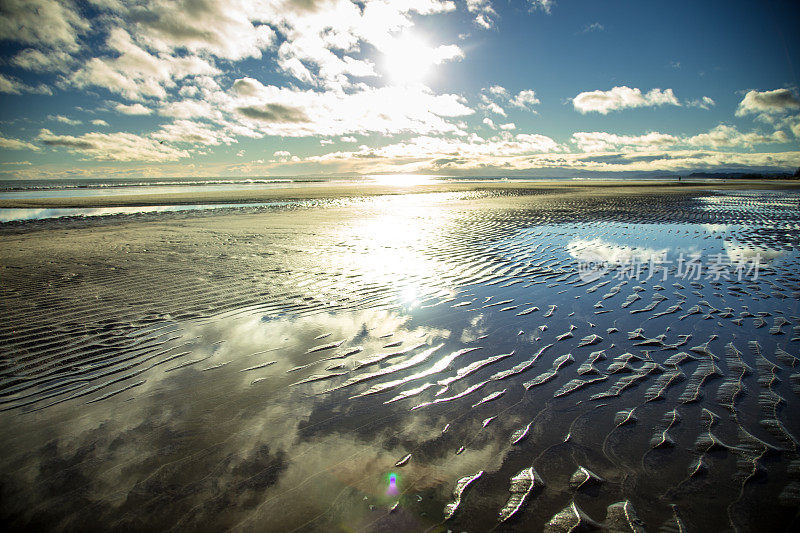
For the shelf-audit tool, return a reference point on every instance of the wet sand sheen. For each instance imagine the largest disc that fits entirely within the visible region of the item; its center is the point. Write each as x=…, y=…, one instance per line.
x=272, y=370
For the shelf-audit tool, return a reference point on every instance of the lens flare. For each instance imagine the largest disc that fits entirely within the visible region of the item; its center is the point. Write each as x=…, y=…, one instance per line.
x=392, y=490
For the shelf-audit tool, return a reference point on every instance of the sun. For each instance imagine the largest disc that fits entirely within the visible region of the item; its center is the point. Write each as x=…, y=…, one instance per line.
x=408, y=59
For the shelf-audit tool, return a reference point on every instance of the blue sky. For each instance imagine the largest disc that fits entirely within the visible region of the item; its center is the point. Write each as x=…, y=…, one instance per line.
x=162, y=88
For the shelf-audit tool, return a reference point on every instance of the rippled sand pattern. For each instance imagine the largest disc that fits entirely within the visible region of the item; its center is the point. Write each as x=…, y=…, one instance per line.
x=407, y=363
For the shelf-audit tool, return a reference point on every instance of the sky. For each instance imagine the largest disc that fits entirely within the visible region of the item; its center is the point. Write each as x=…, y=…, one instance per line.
x=260, y=88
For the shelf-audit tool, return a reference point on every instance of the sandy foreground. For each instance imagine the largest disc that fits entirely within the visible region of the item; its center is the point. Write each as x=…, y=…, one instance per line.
x=268, y=368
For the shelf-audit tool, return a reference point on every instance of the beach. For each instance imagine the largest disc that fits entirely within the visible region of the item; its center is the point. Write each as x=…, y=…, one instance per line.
x=375, y=357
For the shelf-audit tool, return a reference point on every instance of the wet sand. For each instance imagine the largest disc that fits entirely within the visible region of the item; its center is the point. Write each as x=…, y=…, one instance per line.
x=402, y=362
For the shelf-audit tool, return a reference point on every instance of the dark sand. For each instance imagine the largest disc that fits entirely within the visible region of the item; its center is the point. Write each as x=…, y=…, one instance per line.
x=271, y=369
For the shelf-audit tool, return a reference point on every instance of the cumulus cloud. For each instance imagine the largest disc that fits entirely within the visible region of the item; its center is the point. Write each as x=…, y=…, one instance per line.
x=598, y=141
x=233, y=29
x=495, y=108
x=99, y=122
x=441, y=152
x=38, y=61
x=64, y=120
x=282, y=155
x=185, y=109
x=768, y=102
x=705, y=102
x=724, y=136
x=793, y=124
x=52, y=23
x=193, y=133
x=136, y=73
x=485, y=15
x=292, y=112
x=10, y=85
x=16, y=144
x=172, y=50
x=499, y=90
x=531, y=152
x=322, y=42
x=622, y=97
x=273, y=113
x=132, y=109
x=495, y=97
x=113, y=146
x=525, y=99
x=544, y=5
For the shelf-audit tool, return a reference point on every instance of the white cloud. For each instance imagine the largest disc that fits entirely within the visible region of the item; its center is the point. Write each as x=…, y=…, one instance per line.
x=282, y=111
x=440, y=152
x=544, y=5
x=598, y=141
x=705, y=102
x=768, y=102
x=594, y=26
x=490, y=123
x=99, y=122
x=509, y=126
x=186, y=131
x=348, y=139
x=133, y=109
x=496, y=109
x=233, y=29
x=14, y=86
x=52, y=23
x=793, y=124
x=190, y=109
x=38, y=61
x=485, y=15
x=113, y=146
x=724, y=136
x=621, y=98
x=16, y=144
x=446, y=52
x=64, y=120
x=525, y=99
x=282, y=155
x=136, y=73
x=312, y=36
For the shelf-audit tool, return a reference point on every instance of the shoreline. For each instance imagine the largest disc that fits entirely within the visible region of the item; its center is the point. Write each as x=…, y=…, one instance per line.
x=262, y=195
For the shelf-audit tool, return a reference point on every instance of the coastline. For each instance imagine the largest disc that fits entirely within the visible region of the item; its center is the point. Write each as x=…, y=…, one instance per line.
x=260, y=195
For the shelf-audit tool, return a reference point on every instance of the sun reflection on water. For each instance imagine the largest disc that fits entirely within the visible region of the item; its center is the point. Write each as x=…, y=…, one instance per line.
x=401, y=180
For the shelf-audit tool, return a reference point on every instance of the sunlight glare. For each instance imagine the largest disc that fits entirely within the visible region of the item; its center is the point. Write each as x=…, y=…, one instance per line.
x=401, y=180
x=408, y=59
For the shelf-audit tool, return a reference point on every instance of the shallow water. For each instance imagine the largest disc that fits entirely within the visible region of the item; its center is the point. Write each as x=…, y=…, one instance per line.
x=423, y=363
x=25, y=214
